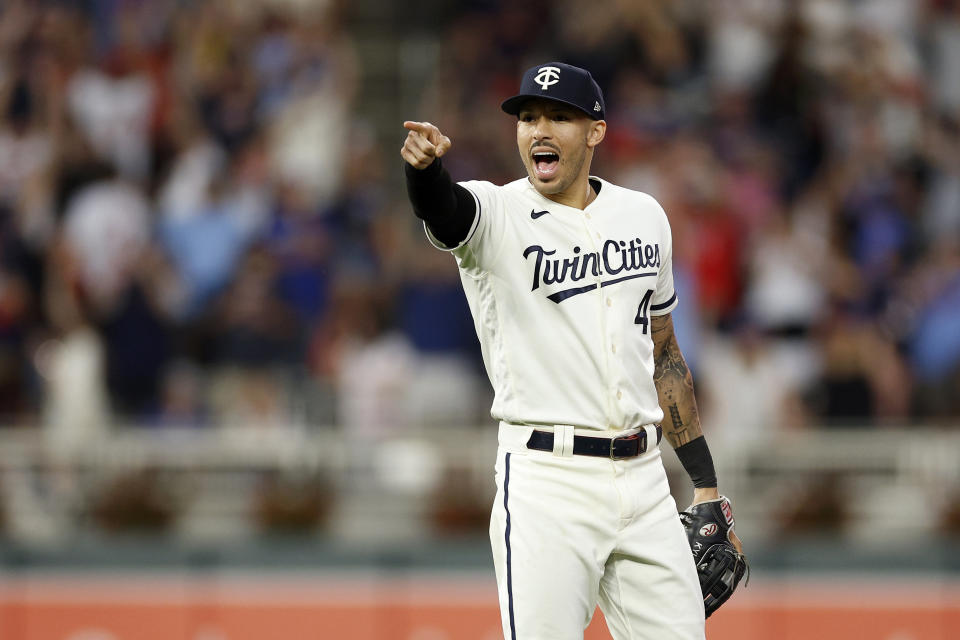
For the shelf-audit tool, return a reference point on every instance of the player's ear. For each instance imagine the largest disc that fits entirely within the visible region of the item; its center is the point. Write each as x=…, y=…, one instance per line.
x=598, y=129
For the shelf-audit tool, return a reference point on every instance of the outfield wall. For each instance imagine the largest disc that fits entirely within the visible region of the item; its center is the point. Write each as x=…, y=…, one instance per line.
x=353, y=605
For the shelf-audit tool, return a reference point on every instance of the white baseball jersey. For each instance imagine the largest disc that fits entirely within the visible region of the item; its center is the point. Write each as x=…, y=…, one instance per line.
x=561, y=300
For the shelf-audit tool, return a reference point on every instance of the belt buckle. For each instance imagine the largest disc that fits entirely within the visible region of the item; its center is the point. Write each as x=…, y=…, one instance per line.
x=641, y=448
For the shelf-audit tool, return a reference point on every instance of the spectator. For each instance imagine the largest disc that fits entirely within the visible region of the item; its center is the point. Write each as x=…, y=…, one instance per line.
x=732, y=370
x=300, y=241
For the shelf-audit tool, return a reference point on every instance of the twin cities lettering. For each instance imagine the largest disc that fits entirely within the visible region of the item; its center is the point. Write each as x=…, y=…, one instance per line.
x=617, y=261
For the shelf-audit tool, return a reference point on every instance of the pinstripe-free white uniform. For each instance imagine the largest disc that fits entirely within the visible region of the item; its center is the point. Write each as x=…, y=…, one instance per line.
x=561, y=300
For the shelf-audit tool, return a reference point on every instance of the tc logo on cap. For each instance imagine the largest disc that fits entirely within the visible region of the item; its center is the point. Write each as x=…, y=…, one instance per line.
x=547, y=76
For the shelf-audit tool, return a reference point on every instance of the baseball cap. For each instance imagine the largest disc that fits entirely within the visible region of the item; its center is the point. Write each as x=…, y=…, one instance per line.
x=561, y=82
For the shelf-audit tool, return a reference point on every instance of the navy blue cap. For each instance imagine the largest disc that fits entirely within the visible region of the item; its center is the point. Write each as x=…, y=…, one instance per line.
x=561, y=82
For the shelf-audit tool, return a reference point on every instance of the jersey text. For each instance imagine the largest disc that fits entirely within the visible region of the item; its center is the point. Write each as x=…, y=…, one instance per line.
x=615, y=257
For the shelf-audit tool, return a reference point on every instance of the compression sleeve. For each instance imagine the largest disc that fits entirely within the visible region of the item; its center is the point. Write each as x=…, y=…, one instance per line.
x=446, y=207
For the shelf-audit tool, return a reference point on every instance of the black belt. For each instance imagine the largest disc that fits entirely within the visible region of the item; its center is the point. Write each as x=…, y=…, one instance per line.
x=617, y=448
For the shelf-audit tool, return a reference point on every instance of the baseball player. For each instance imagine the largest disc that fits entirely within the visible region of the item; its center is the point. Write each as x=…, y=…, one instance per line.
x=570, y=284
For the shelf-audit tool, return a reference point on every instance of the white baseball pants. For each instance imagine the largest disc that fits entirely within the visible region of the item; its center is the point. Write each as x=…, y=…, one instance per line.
x=569, y=532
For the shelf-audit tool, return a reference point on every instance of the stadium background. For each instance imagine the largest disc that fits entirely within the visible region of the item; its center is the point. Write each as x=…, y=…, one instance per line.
x=241, y=398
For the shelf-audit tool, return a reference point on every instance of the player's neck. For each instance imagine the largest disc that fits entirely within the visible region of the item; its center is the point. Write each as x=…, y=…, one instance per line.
x=578, y=196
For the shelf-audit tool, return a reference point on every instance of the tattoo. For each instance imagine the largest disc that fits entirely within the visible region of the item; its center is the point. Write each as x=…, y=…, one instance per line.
x=678, y=426
x=674, y=384
x=670, y=363
x=675, y=415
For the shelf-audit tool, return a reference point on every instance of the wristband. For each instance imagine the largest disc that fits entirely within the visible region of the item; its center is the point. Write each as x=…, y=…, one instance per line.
x=698, y=463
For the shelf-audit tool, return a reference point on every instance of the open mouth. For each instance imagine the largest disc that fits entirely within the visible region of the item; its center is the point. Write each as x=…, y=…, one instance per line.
x=545, y=164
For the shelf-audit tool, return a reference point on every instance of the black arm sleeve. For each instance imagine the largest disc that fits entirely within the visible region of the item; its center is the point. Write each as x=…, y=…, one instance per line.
x=446, y=207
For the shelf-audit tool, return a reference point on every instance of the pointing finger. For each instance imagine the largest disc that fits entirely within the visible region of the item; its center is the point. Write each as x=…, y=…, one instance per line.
x=426, y=130
x=423, y=128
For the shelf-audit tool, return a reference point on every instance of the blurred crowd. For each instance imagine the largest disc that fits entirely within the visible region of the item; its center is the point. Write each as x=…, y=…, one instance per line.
x=197, y=229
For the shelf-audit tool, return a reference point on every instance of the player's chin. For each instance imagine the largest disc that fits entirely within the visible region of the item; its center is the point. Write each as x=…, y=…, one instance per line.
x=547, y=186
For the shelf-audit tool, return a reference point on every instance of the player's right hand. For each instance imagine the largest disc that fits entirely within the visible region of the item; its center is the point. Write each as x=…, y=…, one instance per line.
x=424, y=143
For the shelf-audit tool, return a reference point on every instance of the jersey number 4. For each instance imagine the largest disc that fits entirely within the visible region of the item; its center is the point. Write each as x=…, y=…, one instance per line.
x=642, y=318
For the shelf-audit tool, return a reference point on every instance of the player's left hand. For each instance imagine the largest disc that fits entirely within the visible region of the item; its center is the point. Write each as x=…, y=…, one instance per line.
x=717, y=551
x=710, y=495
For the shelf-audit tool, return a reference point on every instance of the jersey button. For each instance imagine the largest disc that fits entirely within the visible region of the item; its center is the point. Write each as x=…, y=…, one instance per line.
x=589, y=216
x=619, y=394
x=614, y=348
x=609, y=302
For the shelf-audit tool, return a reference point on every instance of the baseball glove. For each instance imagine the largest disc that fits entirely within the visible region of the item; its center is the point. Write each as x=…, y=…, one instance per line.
x=720, y=566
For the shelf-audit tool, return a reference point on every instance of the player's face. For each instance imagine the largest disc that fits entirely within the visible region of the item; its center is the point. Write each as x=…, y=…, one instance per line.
x=556, y=144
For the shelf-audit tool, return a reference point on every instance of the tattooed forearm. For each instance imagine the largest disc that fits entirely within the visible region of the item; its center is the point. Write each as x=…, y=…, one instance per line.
x=674, y=383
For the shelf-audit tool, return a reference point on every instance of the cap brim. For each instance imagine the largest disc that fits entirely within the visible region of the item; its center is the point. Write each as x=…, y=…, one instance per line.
x=513, y=105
